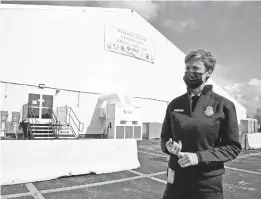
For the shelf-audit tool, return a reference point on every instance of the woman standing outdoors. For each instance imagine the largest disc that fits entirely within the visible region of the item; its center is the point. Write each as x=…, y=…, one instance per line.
x=200, y=133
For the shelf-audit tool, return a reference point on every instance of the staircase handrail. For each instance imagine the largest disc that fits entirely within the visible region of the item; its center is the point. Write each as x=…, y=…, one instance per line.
x=32, y=115
x=80, y=125
x=57, y=127
x=70, y=126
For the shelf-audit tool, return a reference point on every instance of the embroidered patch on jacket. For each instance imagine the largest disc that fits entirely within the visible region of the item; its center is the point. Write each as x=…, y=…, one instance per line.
x=209, y=111
x=179, y=110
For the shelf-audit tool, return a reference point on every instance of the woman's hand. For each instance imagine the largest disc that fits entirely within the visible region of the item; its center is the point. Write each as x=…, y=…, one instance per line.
x=174, y=147
x=187, y=159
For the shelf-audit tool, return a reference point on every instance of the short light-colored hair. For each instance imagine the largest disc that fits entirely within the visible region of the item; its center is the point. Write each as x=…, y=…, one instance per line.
x=205, y=56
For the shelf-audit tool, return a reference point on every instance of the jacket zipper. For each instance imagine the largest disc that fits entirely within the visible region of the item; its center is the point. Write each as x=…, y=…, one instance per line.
x=193, y=113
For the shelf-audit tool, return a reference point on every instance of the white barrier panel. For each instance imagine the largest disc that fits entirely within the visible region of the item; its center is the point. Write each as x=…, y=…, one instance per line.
x=254, y=140
x=25, y=161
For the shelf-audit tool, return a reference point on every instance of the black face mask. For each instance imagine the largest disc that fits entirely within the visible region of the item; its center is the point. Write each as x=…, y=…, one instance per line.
x=193, y=81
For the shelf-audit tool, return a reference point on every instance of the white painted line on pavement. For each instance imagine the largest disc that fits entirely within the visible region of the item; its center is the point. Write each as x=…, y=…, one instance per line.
x=148, y=175
x=159, y=180
x=85, y=186
x=252, y=158
x=153, y=154
x=76, y=187
x=17, y=195
x=243, y=170
x=152, y=178
x=146, y=147
x=136, y=172
x=239, y=157
x=100, y=183
x=232, y=168
x=150, y=149
x=36, y=194
x=251, y=154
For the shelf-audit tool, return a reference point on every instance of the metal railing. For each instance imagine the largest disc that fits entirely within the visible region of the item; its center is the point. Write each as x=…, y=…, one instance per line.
x=71, y=128
x=75, y=120
x=69, y=119
x=55, y=124
x=29, y=131
x=76, y=126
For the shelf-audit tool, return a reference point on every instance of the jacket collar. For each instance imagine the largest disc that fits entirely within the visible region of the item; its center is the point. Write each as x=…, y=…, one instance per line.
x=206, y=90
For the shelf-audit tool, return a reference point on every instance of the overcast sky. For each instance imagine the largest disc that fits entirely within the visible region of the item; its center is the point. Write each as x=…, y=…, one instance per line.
x=230, y=30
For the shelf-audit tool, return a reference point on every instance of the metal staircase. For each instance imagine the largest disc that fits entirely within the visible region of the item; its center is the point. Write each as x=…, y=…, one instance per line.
x=42, y=131
x=65, y=132
x=54, y=129
x=70, y=124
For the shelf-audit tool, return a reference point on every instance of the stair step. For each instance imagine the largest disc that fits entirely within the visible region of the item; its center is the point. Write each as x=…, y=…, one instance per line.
x=46, y=131
x=64, y=127
x=41, y=129
x=43, y=133
x=67, y=136
x=44, y=138
x=39, y=125
x=45, y=125
x=65, y=131
x=42, y=125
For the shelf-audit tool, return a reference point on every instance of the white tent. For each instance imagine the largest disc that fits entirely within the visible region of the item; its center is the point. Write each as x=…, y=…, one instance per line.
x=72, y=47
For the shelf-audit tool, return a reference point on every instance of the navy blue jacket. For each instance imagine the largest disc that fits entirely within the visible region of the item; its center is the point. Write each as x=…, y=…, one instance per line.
x=211, y=131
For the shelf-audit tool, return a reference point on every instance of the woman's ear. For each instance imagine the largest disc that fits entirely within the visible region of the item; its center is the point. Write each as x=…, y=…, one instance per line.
x=209, y=72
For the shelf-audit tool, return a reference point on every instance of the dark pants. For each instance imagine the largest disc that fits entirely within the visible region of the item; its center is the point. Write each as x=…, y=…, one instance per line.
x=193, y=186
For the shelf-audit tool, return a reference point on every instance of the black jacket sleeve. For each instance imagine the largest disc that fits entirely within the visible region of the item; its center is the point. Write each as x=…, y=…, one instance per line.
x=229, y=135
x=166, y=132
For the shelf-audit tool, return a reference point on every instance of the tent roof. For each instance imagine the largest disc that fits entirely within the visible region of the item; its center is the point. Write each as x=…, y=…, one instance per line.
x=58, y=7
x=120, y=10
